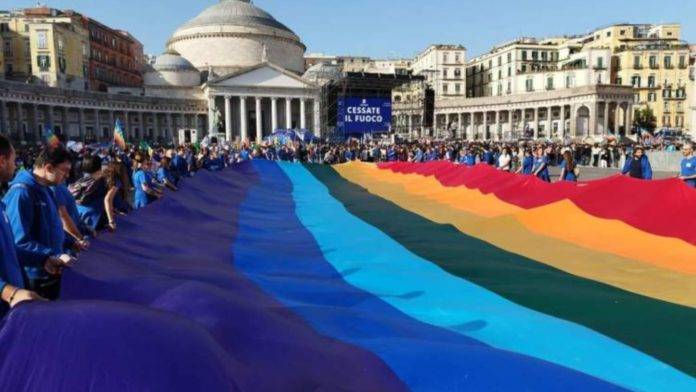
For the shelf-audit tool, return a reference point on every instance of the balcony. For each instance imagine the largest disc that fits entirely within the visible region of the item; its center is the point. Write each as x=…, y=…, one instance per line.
x=654, y=66
x=599, y=68
x=669, y=66
x=637, y=66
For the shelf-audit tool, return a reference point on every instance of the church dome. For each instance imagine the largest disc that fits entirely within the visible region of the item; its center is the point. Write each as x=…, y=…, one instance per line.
x=235, y=34
x=172, y=61
x=170, y=69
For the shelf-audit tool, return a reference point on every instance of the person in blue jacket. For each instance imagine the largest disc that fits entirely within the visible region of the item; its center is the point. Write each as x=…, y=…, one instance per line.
x=688, y=166
x=36, y=225
x=541, y=165
x=164, y=174
x=12, y=289
x=527, y=166
x=179, y=165
x=145, y=191
x=638, y=165
x=469, y=158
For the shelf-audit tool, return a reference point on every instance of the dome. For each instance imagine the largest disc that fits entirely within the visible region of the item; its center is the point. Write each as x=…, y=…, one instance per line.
x=172, y=61
x=235, y=13
x=170, y=69
x=323, y=73
x=235, y=34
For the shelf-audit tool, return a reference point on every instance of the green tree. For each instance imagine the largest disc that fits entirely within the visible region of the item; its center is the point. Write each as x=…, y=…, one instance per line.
x=645, y=118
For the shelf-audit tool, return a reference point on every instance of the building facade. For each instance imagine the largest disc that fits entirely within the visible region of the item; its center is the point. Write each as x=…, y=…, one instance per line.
x=116, y=57
x=655, y=61
x=46, y=47
x=444, y=67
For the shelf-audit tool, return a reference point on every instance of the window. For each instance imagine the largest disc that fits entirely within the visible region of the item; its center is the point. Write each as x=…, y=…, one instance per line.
x=636, y=62
x=524, y=68
x=60, y=43
x=85, y=51
x=535, y=55
x=622, y=32
x=635, y=81
x=651, y=81
x=544, y=56
x=524, y=55
x=682, y=61
x=509, y=72
x=608, y=33
x=41, y=40
x=619, y=81
x=500, y=74
x=444, y=73
x=445, y=58
x=500, y=89
x=600, y=62
x=636, y=98
x=668, y=62
x=667, y=93
x=653, y=62
x=509, y=57
x=43, y=62
x=500, y=61
x=652, y=97
x=569, y=81
x=529, y=84
x=457, y=88
x=457, y=73
x=8, y=48
x=509, y=88
x=549, y=83
x=444, y=88
x=456, y=58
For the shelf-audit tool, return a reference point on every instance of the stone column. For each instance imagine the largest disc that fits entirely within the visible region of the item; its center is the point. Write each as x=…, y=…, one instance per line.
x=126, y=124
x=211, y=116
x=81, y=123
x=49, y=116
x=606, y=118
x=288, y=113
x=155, y=126
x=592, y=128
x=537, y=121
x=498, y=126
x=112, y=123
x=243, y=119
x=20, y=120
x=549, y=131
x=97, y=125
x=66, y=121
x=629, y=118
x=259, y=122
x=141, y=120
x=35, y=122
x=228, y=118
x=485, y=125
x=5, y=123
x=169, y=133
x=460, y=125
x=274, y=114
x=303, y=113
x=410, y=126
x=617, y=118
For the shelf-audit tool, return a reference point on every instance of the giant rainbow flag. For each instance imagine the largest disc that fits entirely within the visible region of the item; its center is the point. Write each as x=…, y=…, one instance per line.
x=424, y=277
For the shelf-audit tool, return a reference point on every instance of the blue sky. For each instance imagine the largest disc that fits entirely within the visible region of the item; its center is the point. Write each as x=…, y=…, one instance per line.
x=394, y=28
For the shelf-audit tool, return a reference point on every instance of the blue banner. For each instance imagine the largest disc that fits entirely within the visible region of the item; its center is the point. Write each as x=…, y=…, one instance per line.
x=364, y=115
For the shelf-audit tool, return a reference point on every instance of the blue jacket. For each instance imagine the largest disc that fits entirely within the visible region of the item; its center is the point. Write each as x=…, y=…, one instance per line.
x=10, y=271
x=36, y=225
x=644, y=164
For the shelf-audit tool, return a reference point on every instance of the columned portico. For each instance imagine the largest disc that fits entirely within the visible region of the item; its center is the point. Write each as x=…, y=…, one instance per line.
x=542, y=114
x=265, y=85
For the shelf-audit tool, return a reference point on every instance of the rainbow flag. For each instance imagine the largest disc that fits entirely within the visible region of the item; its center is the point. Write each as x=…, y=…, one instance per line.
x=51, y=139
x=119, y=136
x=394, y=277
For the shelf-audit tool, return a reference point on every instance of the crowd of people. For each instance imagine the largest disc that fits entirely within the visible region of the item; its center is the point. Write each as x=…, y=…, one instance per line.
x=56, y=199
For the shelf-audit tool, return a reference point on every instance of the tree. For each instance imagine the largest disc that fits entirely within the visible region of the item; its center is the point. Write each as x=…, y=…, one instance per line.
x=645, y=118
